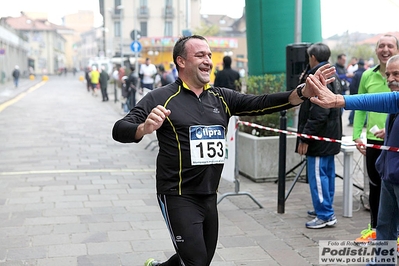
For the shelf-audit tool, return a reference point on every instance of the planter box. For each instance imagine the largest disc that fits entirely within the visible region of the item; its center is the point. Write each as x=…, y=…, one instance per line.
x=258, y=156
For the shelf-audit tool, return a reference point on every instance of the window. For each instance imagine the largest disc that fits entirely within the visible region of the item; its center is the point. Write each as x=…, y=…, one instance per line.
x=116, y=4
x=143, y=29
x=240, y=62
x=143, y=9
x=117, y=28
x=168, y=13
x=168, y=28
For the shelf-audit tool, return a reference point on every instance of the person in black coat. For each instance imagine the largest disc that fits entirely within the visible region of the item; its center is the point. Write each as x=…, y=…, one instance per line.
x=228, y=77
x=15, y=75
x=87, y=77
x=131, y=85
x=317, y=121
x=104, y=77
x=342, y=72
x=354, y=86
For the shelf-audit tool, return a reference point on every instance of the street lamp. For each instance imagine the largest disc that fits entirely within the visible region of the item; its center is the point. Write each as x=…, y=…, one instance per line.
x=120, y=8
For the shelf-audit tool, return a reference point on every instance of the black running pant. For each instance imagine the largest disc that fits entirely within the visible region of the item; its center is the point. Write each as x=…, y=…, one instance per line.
x=193, y=224
x=374, y=180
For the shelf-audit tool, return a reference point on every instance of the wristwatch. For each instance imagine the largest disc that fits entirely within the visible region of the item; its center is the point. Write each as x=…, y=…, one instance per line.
x=299, y=91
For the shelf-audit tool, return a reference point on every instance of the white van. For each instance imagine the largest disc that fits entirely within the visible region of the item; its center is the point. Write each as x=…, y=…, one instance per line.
x=100, y=62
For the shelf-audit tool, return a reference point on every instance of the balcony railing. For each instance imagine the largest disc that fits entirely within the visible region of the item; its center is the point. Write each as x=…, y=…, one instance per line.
x=117, y=14
x=143, y=12
x=168, y=12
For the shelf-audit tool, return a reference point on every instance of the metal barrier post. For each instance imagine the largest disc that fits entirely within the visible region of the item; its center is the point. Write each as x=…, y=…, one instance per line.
x=348, y=182
x=282, y=164
x=237, y=191
x=115, y=92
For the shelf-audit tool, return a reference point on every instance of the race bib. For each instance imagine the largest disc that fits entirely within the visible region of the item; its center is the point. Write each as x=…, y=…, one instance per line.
x=207, y=145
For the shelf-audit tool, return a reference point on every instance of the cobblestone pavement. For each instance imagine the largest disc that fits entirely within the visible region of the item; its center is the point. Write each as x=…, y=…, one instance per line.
x=70, y=195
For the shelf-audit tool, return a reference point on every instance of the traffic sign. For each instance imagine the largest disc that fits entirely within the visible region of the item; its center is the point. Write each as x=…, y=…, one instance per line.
x=135, y=35
x=135, y=47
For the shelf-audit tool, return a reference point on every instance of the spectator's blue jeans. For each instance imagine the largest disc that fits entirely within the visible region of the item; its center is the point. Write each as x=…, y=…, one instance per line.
x=351, y=117
x=16, y=81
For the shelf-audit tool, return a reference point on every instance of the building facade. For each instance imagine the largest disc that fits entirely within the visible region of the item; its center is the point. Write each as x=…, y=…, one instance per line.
x=90, y=46
x=46, y=53
x=157, y=25
x=13, y=51
x=151, y=18
x=80, y=25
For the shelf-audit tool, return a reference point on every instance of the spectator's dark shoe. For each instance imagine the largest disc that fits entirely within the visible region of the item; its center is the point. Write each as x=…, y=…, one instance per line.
x=312, y=214
x=317, y=223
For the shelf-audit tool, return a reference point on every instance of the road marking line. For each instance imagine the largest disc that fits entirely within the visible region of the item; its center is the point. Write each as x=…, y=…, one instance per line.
x=66, y=171
x=20, y=96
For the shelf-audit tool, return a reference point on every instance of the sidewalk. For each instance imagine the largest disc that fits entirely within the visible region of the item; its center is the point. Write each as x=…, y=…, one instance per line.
x=70, y=195
x=8, y=90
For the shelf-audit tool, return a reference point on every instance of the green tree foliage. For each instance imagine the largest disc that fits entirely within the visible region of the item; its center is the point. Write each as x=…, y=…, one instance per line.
x=266, y=84
x=207, y=30
x=364, y=51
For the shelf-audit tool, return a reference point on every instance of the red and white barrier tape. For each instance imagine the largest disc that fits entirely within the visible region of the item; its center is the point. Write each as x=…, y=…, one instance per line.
x=380, y=147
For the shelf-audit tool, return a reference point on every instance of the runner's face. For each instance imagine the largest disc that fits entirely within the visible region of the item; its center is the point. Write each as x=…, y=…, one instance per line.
x=386, y=49
x=198, y=61
x=392, y=73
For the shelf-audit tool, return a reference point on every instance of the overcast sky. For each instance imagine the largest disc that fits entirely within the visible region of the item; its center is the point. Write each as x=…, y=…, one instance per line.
x=338, y=16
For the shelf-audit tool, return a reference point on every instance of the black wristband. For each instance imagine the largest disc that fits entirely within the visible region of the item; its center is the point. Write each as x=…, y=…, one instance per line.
x=299, y=91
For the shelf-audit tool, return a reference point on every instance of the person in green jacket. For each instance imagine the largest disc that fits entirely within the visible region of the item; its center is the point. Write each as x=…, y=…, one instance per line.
x=373, y=80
